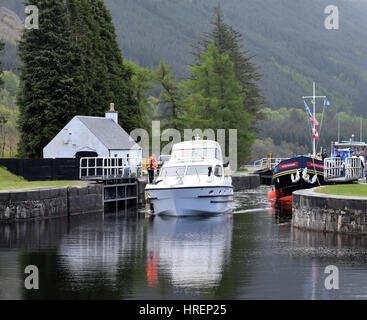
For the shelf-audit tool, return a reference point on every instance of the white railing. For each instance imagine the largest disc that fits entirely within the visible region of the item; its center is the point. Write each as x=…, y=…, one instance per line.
x=333, y=168
x=270, y=163
x=354, y=168
x=337, y=169
x=92, y=168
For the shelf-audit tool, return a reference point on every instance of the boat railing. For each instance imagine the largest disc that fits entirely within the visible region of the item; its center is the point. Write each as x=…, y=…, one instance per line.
x=269, y=163
x=337, y=170
x=95, y=168
x=191, y=159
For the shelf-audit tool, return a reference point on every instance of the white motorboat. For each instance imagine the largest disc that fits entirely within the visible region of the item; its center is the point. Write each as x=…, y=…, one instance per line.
x=193, y=182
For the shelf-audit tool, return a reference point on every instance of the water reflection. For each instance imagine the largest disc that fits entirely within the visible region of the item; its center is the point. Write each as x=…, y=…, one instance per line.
x=281, y=210
x=105, y=246
x=316, y=250
x=245, y=255
x=191, y=250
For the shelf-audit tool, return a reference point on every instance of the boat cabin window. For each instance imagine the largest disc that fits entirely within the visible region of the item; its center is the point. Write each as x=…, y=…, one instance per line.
x=218, y=154
x=218, y=171
x=172, y=172
x=198, y=170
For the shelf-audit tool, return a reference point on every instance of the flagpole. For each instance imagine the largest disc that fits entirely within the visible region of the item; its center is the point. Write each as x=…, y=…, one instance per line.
x=314, y=97
x=313, y=123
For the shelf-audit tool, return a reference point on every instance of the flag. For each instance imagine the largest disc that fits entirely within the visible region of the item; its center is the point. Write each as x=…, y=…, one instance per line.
x=308, y=109
x=327, y=103
x=314, y=120
x=315, y=133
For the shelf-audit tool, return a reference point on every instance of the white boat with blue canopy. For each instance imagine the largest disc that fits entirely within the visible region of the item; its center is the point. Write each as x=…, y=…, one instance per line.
x=193, y=182
x=345, y=165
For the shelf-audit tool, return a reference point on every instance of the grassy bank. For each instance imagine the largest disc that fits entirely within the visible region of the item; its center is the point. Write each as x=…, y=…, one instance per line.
x=9, y=181
x=352, y=190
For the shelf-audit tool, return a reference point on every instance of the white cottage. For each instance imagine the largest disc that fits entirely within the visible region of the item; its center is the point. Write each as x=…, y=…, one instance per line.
x=94, y=137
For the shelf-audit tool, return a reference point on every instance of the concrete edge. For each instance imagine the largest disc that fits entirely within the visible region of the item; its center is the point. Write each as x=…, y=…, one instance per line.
x=44, y=188
x=311, y=193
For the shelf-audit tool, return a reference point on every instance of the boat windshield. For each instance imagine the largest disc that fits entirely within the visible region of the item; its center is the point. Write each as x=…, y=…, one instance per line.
x=197, y=170
x=172, y=171
x=196, y=153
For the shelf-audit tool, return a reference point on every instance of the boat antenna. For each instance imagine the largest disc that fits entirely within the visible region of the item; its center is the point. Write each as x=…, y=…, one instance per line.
x=338, y=128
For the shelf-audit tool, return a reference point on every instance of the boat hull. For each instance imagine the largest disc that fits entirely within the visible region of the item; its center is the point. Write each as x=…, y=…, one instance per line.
x=297, y=173
x=191, y=201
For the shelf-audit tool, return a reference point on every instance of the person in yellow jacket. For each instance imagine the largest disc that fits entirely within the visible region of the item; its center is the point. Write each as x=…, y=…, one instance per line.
x=152, y=165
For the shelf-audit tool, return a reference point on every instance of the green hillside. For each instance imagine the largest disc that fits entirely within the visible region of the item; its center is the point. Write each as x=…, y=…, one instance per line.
x=10, y=30
x=287, y=36
x=9, y=110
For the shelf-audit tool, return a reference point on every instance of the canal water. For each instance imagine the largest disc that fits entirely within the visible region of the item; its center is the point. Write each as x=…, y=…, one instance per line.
x=251, y=254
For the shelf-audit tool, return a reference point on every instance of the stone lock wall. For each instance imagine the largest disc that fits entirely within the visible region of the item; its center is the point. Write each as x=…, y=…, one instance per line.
x=328, y=213
x=244, y=182
x=85, y=199
x=52, y=202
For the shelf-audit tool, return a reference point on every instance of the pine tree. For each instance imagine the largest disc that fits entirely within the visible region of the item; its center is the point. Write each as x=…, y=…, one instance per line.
x=1, y=71
x=72, y=65
x=229, y=41
x=103, y=71
x=172, y=98
x=216, y=99
x=46, y=92
x=141, y=83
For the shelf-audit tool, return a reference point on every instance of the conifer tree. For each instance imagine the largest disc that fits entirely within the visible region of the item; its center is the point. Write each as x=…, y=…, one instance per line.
x=141, y=83
x=216, y=99
x=106, y=76
x=229, y=41
x=46, y=92
x=72, y=65
x=172, y=98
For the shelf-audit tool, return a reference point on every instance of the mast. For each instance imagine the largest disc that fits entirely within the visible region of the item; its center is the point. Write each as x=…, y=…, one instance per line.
x=313, y=123
x=314, y=97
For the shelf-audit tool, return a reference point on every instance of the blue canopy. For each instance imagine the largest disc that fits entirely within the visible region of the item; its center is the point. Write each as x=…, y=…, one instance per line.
x=344, y=153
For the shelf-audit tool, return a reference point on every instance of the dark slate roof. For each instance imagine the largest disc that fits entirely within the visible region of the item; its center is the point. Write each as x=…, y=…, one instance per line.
x=109, y=133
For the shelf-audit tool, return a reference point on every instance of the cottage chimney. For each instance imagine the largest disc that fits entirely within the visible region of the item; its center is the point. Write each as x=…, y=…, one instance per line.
x=112, y=114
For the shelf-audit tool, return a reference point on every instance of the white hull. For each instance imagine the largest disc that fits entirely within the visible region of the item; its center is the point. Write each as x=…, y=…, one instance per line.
x=191, y=201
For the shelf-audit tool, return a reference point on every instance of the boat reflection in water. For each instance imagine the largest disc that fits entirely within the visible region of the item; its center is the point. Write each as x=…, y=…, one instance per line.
x=191, y=251
x=184, y=252
x=281, y=209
